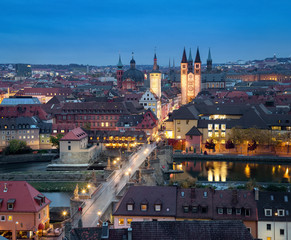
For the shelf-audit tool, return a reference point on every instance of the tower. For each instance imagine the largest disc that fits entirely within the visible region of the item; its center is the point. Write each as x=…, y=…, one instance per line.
x=190, y=62
x=209, y=62
x=119, y=73
x=155, y=79
x=197, y=74
x=184, y=78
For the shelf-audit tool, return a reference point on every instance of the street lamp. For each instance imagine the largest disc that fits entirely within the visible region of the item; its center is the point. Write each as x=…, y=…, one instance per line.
x=99, y=213
x=64, y=213
x=89, y=186
x=16, y=223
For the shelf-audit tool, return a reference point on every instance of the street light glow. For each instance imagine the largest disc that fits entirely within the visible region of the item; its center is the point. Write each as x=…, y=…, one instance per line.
x=89, y=186
x=99, y=213
x=65, y=213
x=83, y=191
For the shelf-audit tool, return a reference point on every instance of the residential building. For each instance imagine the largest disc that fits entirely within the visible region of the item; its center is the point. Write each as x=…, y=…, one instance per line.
x=149, y=100
x=274, y=211
x=145, y=203
x=23, y=210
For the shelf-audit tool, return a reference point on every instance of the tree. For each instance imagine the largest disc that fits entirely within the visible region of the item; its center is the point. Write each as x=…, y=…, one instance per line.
x=252, y=145
x=210, y=144
x=286, y=138
x=55, y=140
x=229, y=144
x=17, y=147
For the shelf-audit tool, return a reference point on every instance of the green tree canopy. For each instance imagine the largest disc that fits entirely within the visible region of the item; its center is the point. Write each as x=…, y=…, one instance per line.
x=17, y=147
x=55, y=140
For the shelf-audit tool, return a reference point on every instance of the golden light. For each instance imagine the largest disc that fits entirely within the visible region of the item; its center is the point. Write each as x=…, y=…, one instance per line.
x=117, y=159
x=129, y=170
x=126, y=173
x=99, y=213
x=89, y=186
x=247, y=171
x=65, y=213
x=83, y=191
x=114, y=162
x=286, y=175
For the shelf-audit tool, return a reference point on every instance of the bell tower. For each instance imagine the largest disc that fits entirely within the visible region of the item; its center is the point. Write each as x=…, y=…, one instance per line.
x=184, y=78
x=119, y=73
x=197, y=74
x=155, y=79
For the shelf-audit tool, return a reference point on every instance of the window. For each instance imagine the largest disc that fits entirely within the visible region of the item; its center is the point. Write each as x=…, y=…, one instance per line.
x=249, y=229
x=281, y=213
x=194, y=209
x=178, y=121
x=186, y=209
x=285, y=198
x=129, y=220
x=220, y=210
x=143, y=207
x=238, y=211
x=10, y=218
x=102, y=124
x=2, y=218
x=247, y=212
x=272, y=197
x=223, y=134
x=210, y=127
x=223, y=127
x=205, y=194
x=282, y=232
x=178, y=129
x=204, y=209
x=129, y=207
x=10, y=206
x=216, y=126
x=121, y=221
x=55, y=131
x=268, y=212
x=268, y=226
x=229, y=211
x=69, y=148
x=158, y=207
x=209, y=134
x=269, y=238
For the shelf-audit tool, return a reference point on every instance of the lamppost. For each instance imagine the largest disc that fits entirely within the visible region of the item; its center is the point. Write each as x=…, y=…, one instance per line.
x=99, y=213
x=16, y=223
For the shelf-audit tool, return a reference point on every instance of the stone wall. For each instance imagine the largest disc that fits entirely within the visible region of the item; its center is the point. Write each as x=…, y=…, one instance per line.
x=24, y=158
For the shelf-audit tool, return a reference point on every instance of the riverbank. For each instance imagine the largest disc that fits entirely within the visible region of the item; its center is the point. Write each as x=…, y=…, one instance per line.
x=57, y=186
x=231, y=158
x=26, y=158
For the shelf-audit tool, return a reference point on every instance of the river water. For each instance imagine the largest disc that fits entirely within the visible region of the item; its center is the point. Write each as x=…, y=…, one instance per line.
x=232, y=171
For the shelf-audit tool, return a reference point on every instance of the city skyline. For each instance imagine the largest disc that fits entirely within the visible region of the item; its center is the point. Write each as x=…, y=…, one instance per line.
x=95, y=33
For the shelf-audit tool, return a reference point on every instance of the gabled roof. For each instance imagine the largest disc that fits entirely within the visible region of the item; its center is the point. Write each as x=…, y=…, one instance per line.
x=150, y=195
x=194, y=132
x=76, y=134
x=23, y=194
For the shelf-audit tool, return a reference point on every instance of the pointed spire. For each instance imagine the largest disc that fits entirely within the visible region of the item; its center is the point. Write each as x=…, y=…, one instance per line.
x=119, y=64
x=155, y=67
x=209, y=56
x=184, y=58
x=197, y=59
x=190, y=59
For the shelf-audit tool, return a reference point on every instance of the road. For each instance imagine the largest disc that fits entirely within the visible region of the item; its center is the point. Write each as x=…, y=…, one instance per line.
x=107, y=192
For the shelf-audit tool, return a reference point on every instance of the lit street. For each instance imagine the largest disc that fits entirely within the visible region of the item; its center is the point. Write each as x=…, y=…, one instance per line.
x=98, y=204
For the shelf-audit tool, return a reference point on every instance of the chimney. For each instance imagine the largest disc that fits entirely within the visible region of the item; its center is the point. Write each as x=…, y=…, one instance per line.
x=129, y=236
x=105, y=231
x=5, y=187
x=256, y=194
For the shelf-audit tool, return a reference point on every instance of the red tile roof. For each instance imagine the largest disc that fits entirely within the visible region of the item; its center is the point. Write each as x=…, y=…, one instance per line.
x=24, y=195
x=76, y=134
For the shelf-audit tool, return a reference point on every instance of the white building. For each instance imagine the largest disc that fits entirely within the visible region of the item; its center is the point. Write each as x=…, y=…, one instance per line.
x=151, y=101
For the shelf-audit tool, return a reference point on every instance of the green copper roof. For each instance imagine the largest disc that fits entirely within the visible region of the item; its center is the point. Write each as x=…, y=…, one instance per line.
x=190, y=59
x=209, y=55
x=119, y=64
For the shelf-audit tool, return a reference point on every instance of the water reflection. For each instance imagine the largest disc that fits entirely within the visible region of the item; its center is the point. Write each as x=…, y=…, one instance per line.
x=231, y=171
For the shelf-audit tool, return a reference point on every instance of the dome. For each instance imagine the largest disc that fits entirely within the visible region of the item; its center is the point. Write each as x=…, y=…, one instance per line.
x=132, y=61
x=133, y=74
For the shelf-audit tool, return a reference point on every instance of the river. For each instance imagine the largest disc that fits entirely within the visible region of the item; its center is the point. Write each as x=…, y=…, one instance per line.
x=212, y=171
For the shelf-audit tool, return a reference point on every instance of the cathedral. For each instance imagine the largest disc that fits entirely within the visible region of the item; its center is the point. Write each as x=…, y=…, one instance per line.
x=190, y=77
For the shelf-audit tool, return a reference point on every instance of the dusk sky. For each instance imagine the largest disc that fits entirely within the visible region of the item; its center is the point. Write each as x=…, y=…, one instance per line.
x=94, y=32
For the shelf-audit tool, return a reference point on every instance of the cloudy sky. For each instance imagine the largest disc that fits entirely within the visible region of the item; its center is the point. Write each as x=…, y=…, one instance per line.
x=95, y=31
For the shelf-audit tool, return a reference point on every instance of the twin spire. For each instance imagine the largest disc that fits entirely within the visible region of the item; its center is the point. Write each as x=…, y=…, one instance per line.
x=190, y=59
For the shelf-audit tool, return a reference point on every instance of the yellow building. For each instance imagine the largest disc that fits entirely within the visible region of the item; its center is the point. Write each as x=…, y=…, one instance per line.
x=155, y=79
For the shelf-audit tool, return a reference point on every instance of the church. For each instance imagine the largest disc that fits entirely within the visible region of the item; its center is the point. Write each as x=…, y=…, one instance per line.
x=190, y=77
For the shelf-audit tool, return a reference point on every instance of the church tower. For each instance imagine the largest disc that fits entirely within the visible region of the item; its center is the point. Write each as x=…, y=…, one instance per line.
x=184, y=79
x=119, y=73
x=197, y=74
x=209, y=62
x=155, y=79
x=190, y=62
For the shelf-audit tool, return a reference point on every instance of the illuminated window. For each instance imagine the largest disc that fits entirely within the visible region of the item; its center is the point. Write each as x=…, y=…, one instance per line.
x=102, y=124
x=269, y=238
x=10, y=218
x=216, y=134
x=154, y=109
x=277, y=128
x=158, y=207
x=129, y=220
x=121, y=221
x=209, y=134
x=55, y=131
x=222, y=134
x=210, y=127
x=143, y=207
x=216, y=126
x=223, y=127
x=150, y=104
x=62, y=131
x=107, y=124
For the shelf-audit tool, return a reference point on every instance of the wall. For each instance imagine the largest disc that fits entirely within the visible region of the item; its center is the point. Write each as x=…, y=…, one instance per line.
x=274, y=233
x=184, y=126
